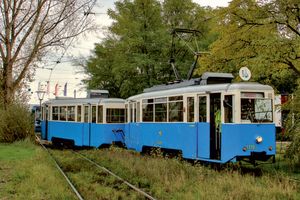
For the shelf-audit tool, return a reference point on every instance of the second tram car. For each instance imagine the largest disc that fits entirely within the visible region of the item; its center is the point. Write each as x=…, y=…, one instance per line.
x=92, y=122
x=207, y=119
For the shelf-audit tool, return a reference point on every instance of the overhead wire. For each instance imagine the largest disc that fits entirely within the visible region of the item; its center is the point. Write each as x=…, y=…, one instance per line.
x=84, y=18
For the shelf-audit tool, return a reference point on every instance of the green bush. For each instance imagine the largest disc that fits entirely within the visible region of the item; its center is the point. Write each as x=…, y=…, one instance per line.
x=16, y=123
x=293, y=130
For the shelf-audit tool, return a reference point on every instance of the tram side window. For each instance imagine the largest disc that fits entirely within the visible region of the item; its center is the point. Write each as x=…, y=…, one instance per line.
x=256, y=110
x=100, y=114
x=176, y=109
x=138, y=112
x=71, y=113
x=202, y=109
x=115, y=115
x=62, y=113
x=134, y=112
x=161, y=109
x=190, y=109
x=42, y=113
x=126, y=112
x=86, y=114
x=47, y=113
x=55, y=113
x=94, y=114
x=148, y=110
x=131, y=112
x=78, y=113
x=228, y=113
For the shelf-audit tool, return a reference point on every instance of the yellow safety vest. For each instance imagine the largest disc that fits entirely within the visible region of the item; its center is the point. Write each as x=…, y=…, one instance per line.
x=218, y=119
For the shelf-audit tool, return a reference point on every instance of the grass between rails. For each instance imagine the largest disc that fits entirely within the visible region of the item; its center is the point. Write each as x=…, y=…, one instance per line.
x=92, y=182
x=26, y=172
x=173, y=179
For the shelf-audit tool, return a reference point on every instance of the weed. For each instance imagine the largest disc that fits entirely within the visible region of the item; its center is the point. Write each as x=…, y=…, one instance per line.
x=167, y=178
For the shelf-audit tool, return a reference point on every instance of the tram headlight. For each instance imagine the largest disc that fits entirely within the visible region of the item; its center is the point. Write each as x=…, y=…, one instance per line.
x=259, y=139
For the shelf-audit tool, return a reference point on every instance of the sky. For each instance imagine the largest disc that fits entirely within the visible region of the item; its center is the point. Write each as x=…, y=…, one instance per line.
x=66, y=71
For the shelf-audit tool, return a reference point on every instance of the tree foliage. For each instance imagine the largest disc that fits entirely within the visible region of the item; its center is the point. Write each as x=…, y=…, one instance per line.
x=136, y=51
x=293, y=128
x=29, y=29
x=262, y=35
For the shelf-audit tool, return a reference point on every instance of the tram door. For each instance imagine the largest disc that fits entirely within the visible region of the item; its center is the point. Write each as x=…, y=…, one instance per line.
x=215, y=122
x=203, y=127
x=133, y=135
x=86, y=125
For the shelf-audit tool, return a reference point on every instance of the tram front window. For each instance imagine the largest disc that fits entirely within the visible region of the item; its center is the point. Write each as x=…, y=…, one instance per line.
x=256, y=110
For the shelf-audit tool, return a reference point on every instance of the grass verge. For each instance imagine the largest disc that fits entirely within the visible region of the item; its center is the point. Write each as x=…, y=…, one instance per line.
x=26, y=172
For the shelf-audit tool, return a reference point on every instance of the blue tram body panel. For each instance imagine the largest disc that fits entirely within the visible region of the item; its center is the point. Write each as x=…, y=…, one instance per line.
x=191, y=138
x=71, y=130
x=106, y=134
x=203, y=139
x=85, y=134
x=235, y=137
x=177, y=136
x=43, y=130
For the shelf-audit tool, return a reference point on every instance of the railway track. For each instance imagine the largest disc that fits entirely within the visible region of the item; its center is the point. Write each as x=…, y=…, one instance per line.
x=130, y=187
x=75, y=187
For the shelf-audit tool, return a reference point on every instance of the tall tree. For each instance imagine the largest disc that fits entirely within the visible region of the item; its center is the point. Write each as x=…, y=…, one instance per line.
x=187, y=15
x=262, y=35
x=141, y=38
x=101, y=67
x=30, y=28
x=138, y=39
x=140, y=27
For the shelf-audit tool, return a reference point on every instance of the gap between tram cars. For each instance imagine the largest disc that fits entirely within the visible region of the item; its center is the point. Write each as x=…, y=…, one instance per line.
x=207, y=119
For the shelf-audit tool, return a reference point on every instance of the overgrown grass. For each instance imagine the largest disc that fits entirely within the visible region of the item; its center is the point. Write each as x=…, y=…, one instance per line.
x=173, y=179
x=283, y=167
x=26, y=172
x=92, y=182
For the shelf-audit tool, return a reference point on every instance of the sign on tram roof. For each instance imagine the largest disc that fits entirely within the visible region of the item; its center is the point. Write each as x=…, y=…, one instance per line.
x=245, y=74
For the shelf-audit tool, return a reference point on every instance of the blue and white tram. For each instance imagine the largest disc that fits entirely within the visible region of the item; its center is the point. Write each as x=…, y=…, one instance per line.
x=90, y=122
x=183, y=118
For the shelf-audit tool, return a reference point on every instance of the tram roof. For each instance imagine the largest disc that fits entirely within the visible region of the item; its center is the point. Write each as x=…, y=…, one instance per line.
x=67, y=101
x=244, y=86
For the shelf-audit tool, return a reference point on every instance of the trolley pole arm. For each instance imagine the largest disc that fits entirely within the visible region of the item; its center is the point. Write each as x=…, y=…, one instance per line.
x=191, y=71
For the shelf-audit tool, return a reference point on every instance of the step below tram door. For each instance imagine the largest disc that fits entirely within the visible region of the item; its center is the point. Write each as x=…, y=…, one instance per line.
x=215, y=126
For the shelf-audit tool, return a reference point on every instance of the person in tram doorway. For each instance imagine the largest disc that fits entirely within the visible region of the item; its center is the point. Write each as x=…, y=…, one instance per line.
x=218, y=131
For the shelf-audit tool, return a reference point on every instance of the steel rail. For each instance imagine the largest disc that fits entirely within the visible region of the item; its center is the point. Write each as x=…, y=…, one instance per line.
x=61, y=171
x=118, y=177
